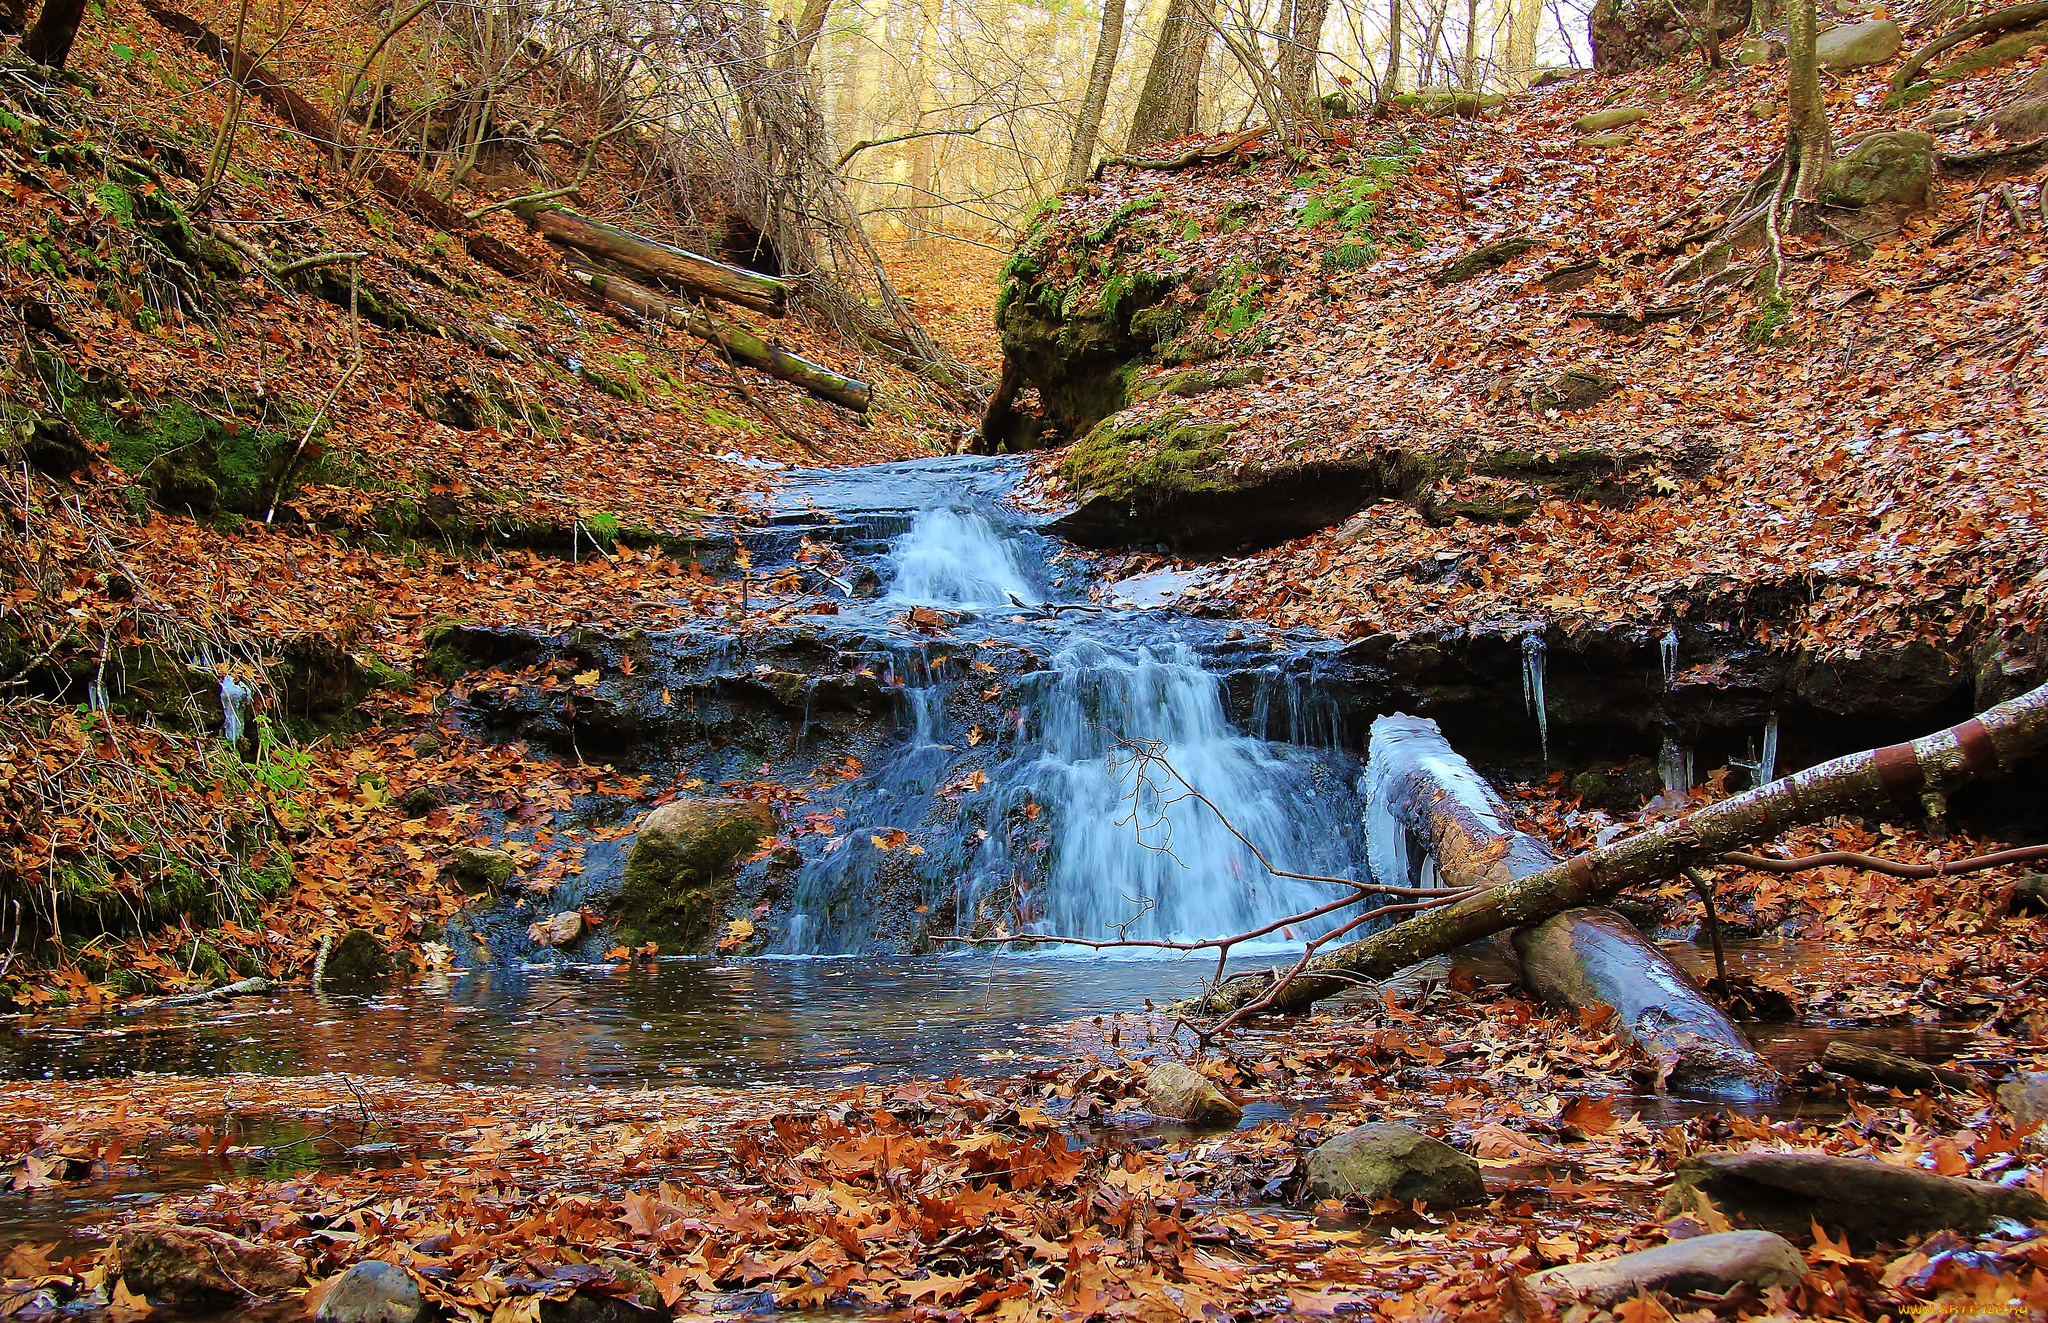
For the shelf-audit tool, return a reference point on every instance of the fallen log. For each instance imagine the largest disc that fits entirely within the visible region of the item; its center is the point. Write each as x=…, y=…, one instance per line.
x=691, y=270
x=736, y=342
x=1999, y=21
x=248, y=987
x=1874, y=1065
x=1986, y=745
x=1194, y=156
x=1433, y=817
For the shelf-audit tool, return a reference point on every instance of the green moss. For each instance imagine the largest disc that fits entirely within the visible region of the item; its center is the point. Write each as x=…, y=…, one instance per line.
x=1772, y=316
x=732, y=422
x=191, y=458
x=603, y=527
x=1145, y=459
x=678, y=878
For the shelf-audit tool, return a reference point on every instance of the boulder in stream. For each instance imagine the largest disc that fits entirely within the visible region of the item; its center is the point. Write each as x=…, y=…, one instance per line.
x=1176, y=1090
x=557, y=930
x=1396, y=1161
x=373, y=1292
x=190, y=1267
x=1870, y=1201
x=1704, y=1263
x=359, y=958
x=478, y=869
x=679, y=874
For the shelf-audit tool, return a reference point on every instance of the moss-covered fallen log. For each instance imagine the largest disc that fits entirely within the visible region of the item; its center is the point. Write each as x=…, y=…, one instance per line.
x=1431, y=813
x=1987, y=745
x=736, y=342
x=624, y=248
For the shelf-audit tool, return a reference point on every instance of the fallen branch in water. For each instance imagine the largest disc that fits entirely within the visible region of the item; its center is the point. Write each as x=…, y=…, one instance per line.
x=248, y=987
x=1987, y=745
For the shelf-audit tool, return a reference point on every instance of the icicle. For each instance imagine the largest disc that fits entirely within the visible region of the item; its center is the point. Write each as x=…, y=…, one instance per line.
x=1668, y=647
x=1767, y=765
x=1532, y=687
x=1675, y=762
x=232, y=692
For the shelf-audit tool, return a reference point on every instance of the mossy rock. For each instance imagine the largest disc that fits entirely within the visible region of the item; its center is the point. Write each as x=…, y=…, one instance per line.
x=679, y=874
x=1197, y=382
x=479, y=870
x=1145, y=459
x=192, y=459
x=359, y=959
x=1857, y=45
x=1892, y=168
x=1602, y=120
x=1608, y=141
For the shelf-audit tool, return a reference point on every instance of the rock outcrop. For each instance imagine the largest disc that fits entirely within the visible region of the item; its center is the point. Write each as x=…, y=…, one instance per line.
x=1705, y=1263
x=1869, y=1201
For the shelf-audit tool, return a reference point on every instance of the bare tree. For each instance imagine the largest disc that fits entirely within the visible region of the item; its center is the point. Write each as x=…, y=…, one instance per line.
x=1081, y=156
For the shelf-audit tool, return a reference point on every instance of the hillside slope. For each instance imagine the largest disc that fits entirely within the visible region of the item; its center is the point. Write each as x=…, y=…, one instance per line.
x=1441, y=387
x=241, y=505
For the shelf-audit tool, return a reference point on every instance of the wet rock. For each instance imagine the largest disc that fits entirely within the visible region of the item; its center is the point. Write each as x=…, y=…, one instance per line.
x=1704, y=1263
x=557, y=930
x=479, y=870
x=358, y=959
x=678, y=876
x=373, y=1292
x=1386, y=1159
x=2026, y=1097
x=1602, y=120
x=1176, y=1090
x=197, y=1266
x=1905, y=682
x=1891, y=168
x=1854, y=45
x=1869, y=1201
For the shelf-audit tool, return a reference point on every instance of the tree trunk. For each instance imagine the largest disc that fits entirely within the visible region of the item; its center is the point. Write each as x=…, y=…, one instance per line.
x=1081, y=156
x=685, y=268
x=1811, y=138
x=1433, y=817
x=1173, y=82
x=1392, y=82
x=1468, y=67
x=1523, y=29
x=1295, y=65
x=49, y=41
x=736, y=342
x=1987, y=745
x=797, y=55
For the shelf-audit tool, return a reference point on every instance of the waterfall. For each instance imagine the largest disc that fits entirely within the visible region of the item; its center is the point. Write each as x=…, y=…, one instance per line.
x=1532, y=687
x=1044, y=824
x=953, y=558
x=232, y=692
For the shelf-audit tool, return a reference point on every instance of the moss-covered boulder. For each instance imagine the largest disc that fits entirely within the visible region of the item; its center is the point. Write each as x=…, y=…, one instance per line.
x=358, y=960
x=479, y=870
x=679, y=873
x=1855, y=45
x=1892, y=168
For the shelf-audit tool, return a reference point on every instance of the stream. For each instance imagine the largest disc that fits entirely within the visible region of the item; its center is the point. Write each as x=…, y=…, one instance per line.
x=987, y=748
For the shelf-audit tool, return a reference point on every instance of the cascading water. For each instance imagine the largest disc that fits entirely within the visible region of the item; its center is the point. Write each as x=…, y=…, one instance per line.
x=953, y=558
x=1043, y=825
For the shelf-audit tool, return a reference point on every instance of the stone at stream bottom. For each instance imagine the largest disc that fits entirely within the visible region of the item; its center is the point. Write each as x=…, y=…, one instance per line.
x=1179, y=1091
x=1396, y=1161
x=373, y=1292
x=1704, y=1263
x=479, y=870
x=1870, y=1201
x=196, y=1266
